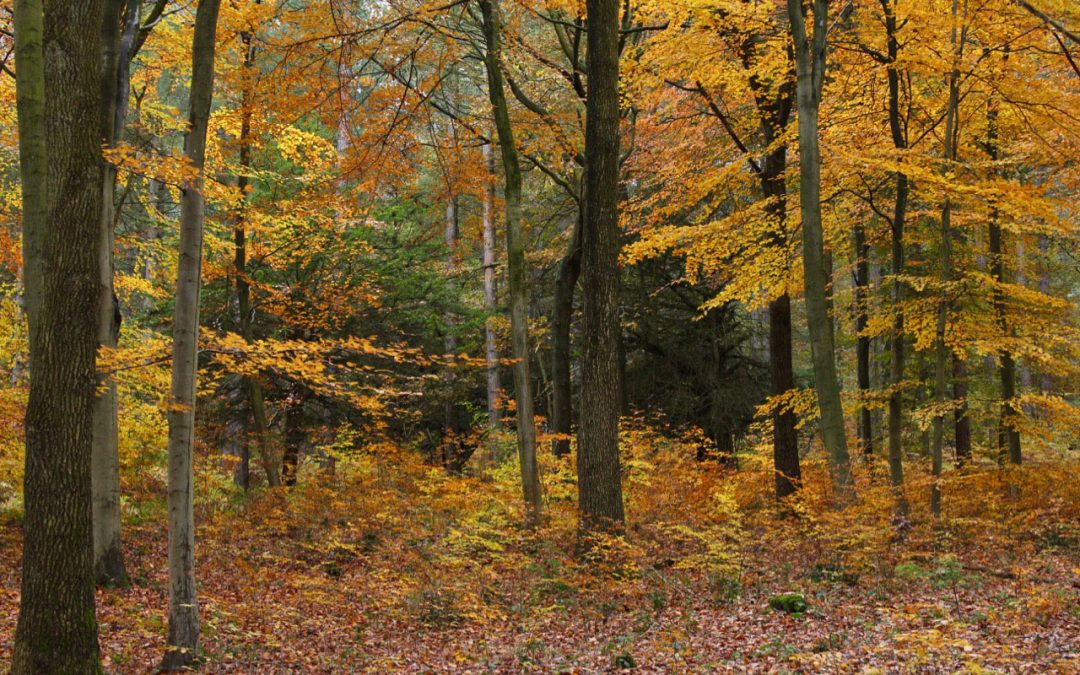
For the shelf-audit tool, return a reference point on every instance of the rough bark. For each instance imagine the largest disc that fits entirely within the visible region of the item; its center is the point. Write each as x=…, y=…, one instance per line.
x=810, y=77
x=58, y=90
x=516, y=264
x=491, y=350
x=561, y=319
x=600, y=500
x=182, y=642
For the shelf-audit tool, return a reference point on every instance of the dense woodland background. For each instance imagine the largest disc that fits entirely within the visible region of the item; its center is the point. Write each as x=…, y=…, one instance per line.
x=559, y=336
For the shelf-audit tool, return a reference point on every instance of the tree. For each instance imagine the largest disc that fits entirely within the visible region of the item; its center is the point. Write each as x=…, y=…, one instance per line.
x=491, y=348
x=182, y=643
x=515, y=259
x=119, y=29
x=810, y=80
x=58, y=91
x=600, y=499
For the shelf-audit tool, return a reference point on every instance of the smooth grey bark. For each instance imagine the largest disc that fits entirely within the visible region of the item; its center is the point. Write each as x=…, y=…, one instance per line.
x=109, y=566
x=182, y=642
x=516, y=264
x=600, y=500
x=450, y=340
x=810, y=78
x=58, y=90
x=491, y=348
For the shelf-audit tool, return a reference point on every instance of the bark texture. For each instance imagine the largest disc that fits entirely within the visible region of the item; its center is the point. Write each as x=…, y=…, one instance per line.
x=600, y=500
x=58, y=97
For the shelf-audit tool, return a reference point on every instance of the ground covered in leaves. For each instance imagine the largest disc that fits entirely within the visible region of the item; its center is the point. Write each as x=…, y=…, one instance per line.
x=395, y=566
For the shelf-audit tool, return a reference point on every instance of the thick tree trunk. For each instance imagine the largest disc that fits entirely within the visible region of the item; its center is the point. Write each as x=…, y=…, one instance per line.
x=491, y=350
x=58, y=95
x=115, y=81
x=561, y=320
x=244, y=308
x=810, y=69
x=182, y=642
x=516, y=264
x=600, y=498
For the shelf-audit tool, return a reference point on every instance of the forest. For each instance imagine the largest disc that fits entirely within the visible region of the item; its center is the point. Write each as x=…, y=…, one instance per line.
x=552, y=336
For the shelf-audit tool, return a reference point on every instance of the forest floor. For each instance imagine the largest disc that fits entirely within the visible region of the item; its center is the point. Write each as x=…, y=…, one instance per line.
x=410, y=570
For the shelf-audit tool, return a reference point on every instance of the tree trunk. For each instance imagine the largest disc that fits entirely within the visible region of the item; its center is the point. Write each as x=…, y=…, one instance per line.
x=810, y=70
x=1008, y=434
x=862, y=344
x=491, y=350
x=115, y=81
x=516, y=264
x=942, y=350
x=899, y=218
x=561, y=320
x=785, y=435
x=600, y=498
x=58, y=94
x=450, y=341
x=182, y=644
x=244, y=308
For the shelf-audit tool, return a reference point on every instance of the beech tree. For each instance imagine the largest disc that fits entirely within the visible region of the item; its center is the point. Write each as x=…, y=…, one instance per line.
x=182, y=643
x=810, y=81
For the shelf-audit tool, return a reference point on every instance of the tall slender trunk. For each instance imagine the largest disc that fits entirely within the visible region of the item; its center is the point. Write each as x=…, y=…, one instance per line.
x=788, y=472
x=491, y=349
x=58, y=92
x=450, y=341
x=810, y=77
x=1008, y=434
x=862, y=344
x=902, y=188
x=561, y=319
x=244, y=308
x=115, y=81
x=182, y=642
x=516, y=264
x=600, y=499
x=942, y=350
x=774, y=113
